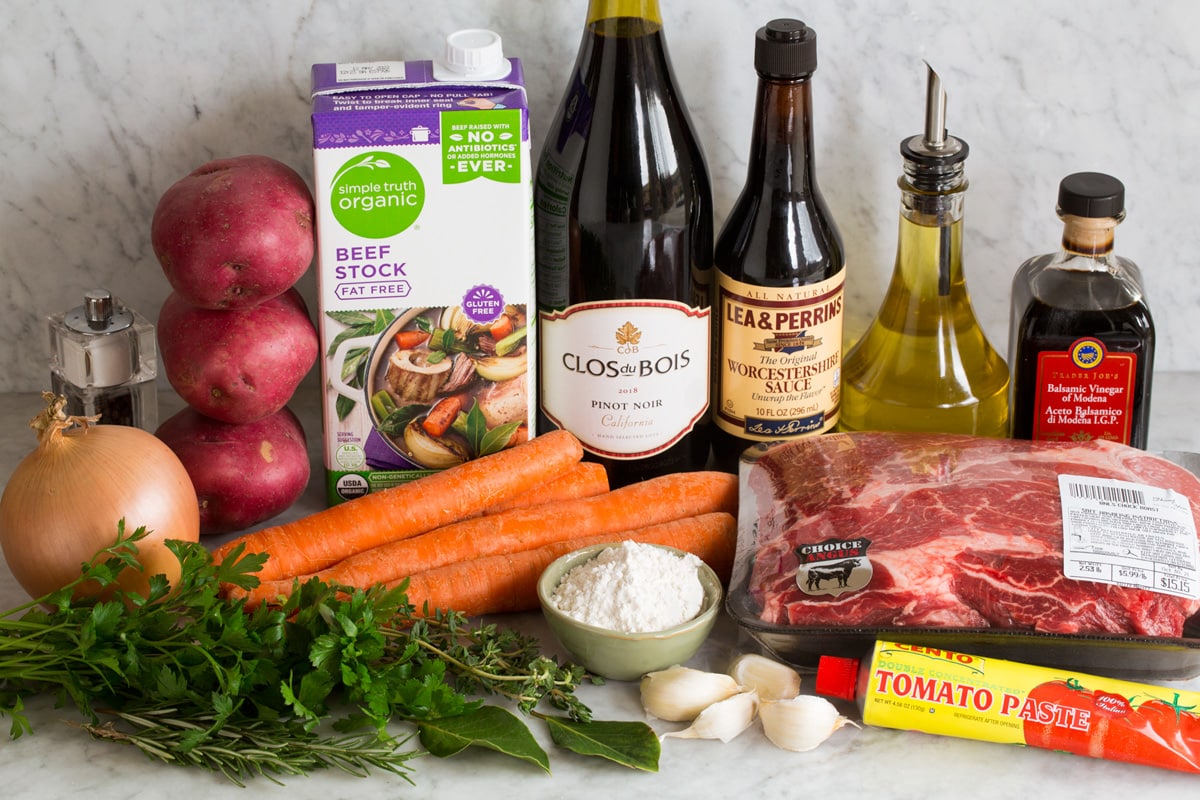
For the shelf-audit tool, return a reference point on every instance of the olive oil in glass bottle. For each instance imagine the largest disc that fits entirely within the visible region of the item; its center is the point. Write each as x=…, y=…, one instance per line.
x=780, y=268
x=925, y=364
x=624, y=238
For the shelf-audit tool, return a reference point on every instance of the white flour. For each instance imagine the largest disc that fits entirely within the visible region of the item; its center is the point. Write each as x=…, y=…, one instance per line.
x=632, y=588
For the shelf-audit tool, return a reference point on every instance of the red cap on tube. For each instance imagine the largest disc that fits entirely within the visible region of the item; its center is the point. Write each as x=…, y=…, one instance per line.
x=837, y=677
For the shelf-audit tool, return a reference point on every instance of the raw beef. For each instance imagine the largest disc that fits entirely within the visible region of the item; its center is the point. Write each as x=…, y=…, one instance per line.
x=963, y=532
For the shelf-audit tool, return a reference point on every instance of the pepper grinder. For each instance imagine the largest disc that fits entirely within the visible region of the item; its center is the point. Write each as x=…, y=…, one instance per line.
x=104, y=361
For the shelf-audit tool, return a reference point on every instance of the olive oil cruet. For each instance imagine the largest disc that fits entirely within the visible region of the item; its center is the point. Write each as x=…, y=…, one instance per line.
x=924, y=363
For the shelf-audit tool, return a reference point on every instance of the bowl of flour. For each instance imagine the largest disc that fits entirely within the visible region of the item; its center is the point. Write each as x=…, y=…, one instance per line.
x=627, y=608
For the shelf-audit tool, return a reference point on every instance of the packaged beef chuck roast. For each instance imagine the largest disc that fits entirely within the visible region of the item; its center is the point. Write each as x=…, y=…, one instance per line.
x=1079, y=554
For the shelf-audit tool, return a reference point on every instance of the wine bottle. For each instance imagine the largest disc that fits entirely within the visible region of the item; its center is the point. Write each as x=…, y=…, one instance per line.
x=624, y=238
x=780, y=268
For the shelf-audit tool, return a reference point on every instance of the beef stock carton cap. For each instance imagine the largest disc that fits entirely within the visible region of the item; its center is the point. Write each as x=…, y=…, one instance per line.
x=474, y=54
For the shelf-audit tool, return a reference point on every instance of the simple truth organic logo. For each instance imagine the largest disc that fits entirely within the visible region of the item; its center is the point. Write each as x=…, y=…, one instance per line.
x=377, y=195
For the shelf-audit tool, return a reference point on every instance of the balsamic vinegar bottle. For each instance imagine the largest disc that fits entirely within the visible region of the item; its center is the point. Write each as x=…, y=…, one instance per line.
x=1081, y=337
x=624, y=238
x=780, y=268
x=925, y=364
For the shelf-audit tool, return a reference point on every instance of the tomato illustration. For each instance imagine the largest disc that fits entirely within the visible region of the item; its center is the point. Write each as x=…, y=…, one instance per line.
x=1065, y=715
x=1162, y=734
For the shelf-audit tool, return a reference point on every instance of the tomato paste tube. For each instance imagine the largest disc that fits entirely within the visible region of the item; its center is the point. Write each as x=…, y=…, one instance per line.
x=941, y=691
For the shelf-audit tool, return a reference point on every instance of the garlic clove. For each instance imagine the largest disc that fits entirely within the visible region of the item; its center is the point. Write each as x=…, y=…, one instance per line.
x=773, y=680
x=677, y=694
x=800, y=723
x=722, y=720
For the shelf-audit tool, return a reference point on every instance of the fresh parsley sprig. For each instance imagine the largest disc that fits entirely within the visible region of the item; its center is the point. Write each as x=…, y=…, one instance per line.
x=190, y=677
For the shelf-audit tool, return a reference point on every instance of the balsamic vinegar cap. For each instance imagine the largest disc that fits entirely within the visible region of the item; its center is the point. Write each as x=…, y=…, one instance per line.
x=785, y=48
x=1091, y=194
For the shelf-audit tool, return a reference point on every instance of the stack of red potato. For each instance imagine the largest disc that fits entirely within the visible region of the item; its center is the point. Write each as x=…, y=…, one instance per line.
x=235, y=336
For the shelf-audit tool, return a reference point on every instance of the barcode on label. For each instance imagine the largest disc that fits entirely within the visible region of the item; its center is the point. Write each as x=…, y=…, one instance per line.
x=1113, y=494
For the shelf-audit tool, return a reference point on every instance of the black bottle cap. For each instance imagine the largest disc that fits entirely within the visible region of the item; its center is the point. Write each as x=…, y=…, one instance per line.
x=785, y=48
x=1091, y=194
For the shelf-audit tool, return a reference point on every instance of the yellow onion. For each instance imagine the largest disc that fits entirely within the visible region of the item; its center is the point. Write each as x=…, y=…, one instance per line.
x=64, y=501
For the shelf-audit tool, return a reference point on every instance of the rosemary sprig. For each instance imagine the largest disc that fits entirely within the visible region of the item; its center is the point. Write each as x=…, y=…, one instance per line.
x=249, y=748
x=192, y=678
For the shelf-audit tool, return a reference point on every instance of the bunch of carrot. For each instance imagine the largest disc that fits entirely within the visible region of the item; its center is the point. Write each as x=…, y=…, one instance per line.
x=475, y=538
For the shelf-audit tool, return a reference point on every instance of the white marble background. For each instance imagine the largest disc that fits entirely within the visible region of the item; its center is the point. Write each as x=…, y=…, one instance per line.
x=105, y=104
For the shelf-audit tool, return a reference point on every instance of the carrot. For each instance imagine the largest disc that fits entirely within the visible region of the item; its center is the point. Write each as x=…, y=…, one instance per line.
x=407, y=340
x=649, y=502
x=585, y=479
x=508, y=582
x=502, y=327
x=521, y=434
x=316, y=541
x=442, y=415
x=661, y=499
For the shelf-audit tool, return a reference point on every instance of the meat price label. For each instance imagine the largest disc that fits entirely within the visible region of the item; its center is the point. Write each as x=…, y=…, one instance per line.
x=1129, y=534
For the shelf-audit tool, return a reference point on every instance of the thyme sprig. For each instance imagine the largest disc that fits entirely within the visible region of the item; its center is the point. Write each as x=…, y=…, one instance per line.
x=190, y=677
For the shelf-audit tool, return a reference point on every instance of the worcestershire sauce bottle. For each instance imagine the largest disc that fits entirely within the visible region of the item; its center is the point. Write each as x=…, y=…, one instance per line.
x=1081, y=337
x=781, y=268
x=623, y=213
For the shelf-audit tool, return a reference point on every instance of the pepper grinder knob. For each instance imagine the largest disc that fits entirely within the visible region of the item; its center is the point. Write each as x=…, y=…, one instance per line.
x=98, y=308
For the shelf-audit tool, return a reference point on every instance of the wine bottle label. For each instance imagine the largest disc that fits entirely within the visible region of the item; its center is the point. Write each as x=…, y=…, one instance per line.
x=779, y=368
x=1084, y=392
x=628, y=377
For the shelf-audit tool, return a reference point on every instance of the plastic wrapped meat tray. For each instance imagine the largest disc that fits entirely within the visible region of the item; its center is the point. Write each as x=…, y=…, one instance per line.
x=957, y=542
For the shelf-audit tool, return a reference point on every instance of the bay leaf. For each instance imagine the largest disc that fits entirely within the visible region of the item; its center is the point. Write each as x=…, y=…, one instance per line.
x=633, y=744
x=487, y=726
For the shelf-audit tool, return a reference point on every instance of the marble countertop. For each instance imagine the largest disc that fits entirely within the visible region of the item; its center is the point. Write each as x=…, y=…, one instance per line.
x=59, y=760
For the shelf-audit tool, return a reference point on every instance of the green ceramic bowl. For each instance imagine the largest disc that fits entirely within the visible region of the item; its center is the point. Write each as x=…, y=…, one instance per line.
x=626, y=656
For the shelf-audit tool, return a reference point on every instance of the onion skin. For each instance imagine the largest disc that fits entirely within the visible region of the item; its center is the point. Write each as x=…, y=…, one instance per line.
x=64, y=501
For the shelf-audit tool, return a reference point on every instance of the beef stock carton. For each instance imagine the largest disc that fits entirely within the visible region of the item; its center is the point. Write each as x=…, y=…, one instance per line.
x=425, y=268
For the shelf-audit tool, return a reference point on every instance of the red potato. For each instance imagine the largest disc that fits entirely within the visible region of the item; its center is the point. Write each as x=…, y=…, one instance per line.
x=235, y=232
x=243, y=474
x=237, y=366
